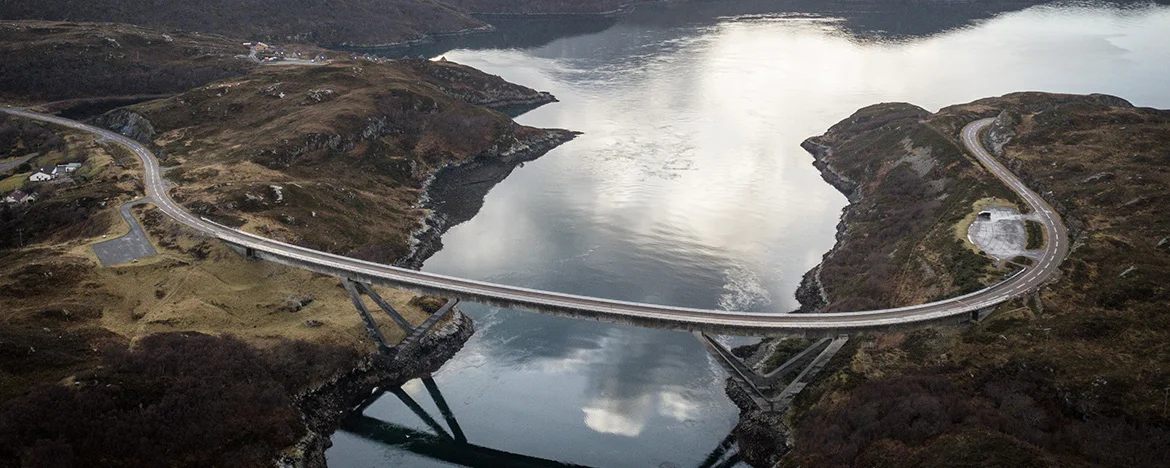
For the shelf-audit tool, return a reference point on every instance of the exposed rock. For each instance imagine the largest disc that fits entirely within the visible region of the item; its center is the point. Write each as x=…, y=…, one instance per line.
x=130, y=124
x=1002, y=131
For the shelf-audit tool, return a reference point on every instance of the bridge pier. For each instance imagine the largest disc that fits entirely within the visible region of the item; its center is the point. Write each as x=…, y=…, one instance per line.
x=761, y=387
x=372, y=329
x=357, y=289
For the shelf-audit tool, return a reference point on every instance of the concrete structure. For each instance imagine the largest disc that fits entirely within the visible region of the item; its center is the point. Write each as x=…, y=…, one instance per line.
x=1000, y=233
x=652, y=315
x=130, y=247
x=765, y=390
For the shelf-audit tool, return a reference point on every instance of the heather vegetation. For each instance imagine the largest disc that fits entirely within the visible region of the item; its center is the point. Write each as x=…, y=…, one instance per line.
x=915, y=183
x=1071, y=376
x=169, y=398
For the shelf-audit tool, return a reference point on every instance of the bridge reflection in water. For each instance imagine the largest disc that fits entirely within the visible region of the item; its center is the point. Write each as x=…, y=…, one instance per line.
x=450, y=444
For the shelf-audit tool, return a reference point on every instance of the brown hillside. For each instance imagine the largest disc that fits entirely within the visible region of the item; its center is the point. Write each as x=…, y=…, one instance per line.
x=330, y=156
x=1075, y=375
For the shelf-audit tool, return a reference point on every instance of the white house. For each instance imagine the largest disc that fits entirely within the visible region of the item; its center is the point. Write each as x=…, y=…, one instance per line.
x=41, y=175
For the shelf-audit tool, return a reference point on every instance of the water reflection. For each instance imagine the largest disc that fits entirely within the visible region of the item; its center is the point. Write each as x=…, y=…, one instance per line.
x=689, y=187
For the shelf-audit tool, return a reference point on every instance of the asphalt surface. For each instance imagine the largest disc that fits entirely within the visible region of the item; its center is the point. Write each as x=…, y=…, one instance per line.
x=131, y=246
x=745, y=323
x=8, y=165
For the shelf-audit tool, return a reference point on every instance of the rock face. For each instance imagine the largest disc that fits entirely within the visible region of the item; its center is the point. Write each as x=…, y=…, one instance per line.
x=1001, y=131
x=129, y=123
x=325, y=407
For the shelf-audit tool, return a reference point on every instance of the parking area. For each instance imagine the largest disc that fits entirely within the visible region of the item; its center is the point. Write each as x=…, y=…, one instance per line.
x=132, y=246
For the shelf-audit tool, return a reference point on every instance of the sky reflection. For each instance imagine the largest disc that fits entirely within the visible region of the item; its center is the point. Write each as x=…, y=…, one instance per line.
x=689, y=187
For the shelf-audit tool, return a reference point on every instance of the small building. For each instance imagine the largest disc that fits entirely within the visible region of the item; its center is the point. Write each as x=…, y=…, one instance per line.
x=985, y=215
x=20, y=197
x=41, y=175
x=66, y=168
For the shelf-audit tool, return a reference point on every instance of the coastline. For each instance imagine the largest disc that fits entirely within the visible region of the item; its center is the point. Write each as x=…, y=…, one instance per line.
x=324, y=408
x=455, y=193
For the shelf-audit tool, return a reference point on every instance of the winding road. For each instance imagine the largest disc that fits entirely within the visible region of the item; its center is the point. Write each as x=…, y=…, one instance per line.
x=658, y=316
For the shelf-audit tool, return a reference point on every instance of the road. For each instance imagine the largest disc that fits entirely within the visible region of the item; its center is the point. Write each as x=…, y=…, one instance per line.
x=612, y=311
x=8, y=165
x=132, y=246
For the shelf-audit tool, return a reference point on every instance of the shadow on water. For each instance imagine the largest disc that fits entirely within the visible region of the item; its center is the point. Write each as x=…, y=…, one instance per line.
x=449, y=444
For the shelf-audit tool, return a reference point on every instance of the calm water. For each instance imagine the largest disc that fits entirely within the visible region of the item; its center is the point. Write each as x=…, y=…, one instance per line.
x=689, y=188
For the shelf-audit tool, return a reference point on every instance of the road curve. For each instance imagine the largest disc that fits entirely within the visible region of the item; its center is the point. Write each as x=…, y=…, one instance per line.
x=659, y=316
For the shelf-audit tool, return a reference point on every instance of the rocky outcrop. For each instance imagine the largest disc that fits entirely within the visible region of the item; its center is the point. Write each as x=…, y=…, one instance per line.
x=1002, y=131
x=324, y=408
x=129, y=123
x=820, y=153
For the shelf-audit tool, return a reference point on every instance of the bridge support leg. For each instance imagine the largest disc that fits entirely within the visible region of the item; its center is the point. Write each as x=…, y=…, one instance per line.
x=385, y=306
x=420, y=412
x=371, y=326
x=448, y=415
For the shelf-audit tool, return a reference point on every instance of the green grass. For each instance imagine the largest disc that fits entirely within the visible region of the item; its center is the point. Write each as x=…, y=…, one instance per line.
x=15, y=182
x=1035, y=235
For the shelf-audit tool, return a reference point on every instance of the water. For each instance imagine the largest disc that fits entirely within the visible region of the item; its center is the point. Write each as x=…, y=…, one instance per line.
x=689, y=188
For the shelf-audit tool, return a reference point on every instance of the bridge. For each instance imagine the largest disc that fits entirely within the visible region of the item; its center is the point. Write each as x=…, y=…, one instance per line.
x=614, y=311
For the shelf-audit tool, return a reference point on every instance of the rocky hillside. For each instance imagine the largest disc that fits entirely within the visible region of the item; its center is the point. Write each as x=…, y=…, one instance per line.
x=334, y=156
x=1075, y=375
x=50, y=61
x=911, y=185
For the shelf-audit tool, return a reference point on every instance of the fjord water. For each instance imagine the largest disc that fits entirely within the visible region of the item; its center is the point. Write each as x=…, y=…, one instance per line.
x=689, y=187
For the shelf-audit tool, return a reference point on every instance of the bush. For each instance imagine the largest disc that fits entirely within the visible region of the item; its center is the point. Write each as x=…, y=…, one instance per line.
x=177, y=400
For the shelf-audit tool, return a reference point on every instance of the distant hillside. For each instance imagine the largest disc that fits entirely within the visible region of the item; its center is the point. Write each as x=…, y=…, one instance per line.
x=355, y=22
x=539, y=6
x=48, y=61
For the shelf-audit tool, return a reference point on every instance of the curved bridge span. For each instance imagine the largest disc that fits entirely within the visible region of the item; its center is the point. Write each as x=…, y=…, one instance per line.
x=613, y=311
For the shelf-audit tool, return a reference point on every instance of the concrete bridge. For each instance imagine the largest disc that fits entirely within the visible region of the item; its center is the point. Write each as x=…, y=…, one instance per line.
x=613, y=311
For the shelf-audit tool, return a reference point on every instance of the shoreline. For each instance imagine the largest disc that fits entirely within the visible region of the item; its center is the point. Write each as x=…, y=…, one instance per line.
x=323, y=409
x=450, y=200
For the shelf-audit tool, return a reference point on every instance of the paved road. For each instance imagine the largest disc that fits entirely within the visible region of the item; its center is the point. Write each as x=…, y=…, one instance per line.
x=131, y=246
x=681, y=318
x=8, y=165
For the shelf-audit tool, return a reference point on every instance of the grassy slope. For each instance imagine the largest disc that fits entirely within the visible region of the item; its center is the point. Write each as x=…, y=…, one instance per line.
x=350, y=144
x=62, y=316
x=1073, y=376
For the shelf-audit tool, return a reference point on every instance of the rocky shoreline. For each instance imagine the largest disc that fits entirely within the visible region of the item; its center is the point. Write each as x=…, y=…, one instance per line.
x=324, y=408
x=811, y=292
x=455, y=193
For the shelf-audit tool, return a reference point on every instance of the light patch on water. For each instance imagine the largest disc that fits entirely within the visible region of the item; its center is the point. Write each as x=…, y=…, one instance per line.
x=742, y=290
x=677, y=406
x=624, y=417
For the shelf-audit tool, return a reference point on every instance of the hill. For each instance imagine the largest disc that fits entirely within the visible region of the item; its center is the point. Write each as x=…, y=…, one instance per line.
x=335, y=156
x=1073, y=375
